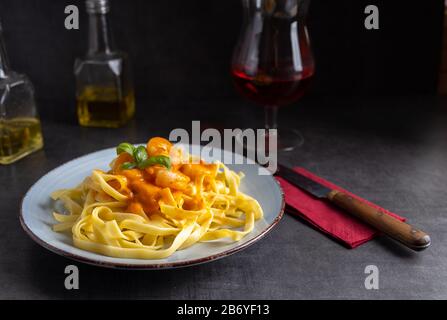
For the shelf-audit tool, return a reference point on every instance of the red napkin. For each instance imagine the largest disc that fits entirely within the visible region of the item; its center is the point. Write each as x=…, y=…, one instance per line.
x=327, y=217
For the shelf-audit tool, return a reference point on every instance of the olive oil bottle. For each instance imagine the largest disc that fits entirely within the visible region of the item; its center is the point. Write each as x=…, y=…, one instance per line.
x=104, y=90
x=18, y=138
x=20, y=132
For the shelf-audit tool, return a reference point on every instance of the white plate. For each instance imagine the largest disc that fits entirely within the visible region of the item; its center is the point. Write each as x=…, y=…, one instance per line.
x=37, y=207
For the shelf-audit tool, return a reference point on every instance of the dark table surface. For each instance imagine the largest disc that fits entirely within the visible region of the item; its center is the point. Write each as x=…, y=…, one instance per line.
x=392, y=151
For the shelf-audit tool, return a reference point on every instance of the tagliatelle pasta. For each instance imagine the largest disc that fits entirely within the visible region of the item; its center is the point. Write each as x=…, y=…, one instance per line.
x=153, y=203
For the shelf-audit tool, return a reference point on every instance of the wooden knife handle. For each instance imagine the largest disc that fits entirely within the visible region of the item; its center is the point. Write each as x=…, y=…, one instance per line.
x=396, y=229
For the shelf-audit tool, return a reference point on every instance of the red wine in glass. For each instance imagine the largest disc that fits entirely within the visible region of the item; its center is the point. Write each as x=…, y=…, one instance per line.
x=271, y=91
x=272, y=62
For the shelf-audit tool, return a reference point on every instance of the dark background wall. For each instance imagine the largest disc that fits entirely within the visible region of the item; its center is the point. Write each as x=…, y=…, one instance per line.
x=182, y=49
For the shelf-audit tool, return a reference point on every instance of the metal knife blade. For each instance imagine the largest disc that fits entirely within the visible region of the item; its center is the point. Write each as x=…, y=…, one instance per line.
x=303, y=182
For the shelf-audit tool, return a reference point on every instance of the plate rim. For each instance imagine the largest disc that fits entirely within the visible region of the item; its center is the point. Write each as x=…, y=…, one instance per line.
x=154, y=266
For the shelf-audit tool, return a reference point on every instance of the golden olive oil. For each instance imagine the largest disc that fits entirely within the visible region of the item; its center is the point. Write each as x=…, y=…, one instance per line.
x=104, y=107
x=18, y=138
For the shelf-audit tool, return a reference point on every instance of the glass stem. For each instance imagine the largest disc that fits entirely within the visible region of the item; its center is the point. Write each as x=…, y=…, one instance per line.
x=271, y=117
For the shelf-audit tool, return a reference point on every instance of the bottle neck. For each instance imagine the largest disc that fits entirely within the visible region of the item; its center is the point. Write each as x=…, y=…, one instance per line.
x=100, y=34
x=4, y=64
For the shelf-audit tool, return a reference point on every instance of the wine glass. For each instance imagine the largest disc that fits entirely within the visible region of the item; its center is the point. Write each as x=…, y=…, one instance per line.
x=272, y=62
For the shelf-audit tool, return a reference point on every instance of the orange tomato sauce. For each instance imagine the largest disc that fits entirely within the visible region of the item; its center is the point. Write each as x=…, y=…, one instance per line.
x=146, y=187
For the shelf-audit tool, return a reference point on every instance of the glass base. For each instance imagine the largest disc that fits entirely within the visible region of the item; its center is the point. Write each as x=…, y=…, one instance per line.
x=287, y=140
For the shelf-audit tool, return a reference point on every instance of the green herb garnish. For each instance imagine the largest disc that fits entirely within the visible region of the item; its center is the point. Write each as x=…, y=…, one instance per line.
x=140, y=154
x=128, y=165
x=125, y=147
x=162, y=160
x=140, y=157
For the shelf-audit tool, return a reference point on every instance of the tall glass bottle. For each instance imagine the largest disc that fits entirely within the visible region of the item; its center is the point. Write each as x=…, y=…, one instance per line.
x=20, y=132
x=104, y=90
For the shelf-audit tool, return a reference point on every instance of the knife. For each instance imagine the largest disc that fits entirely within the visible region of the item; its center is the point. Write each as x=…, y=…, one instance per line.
x=396, y=229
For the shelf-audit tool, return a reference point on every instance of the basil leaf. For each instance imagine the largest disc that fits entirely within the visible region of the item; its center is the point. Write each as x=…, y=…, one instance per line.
x=161, y=160
x=125, y=147
x=140, y=154
x=128, y=165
